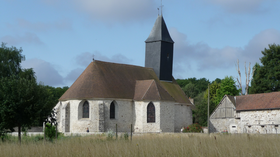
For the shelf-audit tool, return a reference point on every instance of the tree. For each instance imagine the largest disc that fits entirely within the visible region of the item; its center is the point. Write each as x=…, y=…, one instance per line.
x=227, y=87
x=22, y=100
x=248, y=77
x=10, y=59
x=190, y=90
x=267, y=76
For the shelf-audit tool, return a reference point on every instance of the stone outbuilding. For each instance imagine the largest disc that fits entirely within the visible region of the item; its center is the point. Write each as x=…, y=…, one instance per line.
x=254, y=113
x=148, y=98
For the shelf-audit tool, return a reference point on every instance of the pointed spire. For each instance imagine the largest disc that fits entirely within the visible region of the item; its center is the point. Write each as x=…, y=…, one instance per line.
x=159, y=32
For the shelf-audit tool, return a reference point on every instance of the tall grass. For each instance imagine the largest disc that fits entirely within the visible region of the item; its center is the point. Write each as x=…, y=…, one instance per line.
x=150, y=145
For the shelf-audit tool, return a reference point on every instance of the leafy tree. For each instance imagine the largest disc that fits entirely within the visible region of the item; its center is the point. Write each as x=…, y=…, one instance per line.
x=10, y=59
x=22, y=100
x=227, y=87
x=18, y=102
x=267, y=76
x=190, y=90
x=200, y=84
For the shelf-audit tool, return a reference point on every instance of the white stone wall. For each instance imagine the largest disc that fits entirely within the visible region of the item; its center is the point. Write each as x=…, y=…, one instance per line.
x=141, y=124
x=182, y=117
x=266, y=121
x=167, y=116
x=123, y=117
x=231, y=125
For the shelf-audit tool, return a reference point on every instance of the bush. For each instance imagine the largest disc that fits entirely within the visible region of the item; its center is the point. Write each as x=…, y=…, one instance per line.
x=50, y=131
x=110, y=134
x=125, y=136
x=193, y=128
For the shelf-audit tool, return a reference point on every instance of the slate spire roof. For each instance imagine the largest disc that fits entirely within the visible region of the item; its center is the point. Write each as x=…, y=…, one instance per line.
x=159, y=32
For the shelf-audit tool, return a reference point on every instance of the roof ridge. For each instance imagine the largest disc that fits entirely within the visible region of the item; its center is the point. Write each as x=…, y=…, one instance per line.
x=158, y=90
x=257, y=94
x=146, y=91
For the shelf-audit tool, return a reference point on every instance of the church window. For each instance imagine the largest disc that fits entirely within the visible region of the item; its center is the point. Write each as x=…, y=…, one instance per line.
x=86, y=110
x=151, y=114
x=112, y=110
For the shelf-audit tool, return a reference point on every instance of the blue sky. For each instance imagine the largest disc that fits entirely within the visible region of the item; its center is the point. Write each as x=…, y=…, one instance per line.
x=59, y=38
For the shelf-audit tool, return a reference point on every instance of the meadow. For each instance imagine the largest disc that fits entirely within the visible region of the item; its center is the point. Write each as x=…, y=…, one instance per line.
x=179, y=144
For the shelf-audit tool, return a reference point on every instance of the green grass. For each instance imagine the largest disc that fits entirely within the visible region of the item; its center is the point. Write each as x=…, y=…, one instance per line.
x=149, y=145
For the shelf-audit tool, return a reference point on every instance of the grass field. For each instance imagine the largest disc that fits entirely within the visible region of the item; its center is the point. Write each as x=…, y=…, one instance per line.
x=149, y=145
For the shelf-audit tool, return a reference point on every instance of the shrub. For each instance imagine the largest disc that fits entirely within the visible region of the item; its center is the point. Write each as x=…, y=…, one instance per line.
x=193, y=128
x=125, y=136
x=110, y=134
x=50, y=131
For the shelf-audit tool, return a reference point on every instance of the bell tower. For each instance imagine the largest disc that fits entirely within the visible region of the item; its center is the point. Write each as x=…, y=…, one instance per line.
x=159, y=50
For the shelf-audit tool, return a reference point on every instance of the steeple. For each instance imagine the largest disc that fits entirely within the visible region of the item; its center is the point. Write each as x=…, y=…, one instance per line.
x=159, y=32
x=159, y=50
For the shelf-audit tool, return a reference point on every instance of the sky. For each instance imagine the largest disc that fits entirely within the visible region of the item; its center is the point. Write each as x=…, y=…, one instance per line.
x=60, y=38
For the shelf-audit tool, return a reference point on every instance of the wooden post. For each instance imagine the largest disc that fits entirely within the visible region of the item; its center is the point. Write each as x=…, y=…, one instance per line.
x=208, y=110
x=131, y=132
x=56, y=130
x=116, y=131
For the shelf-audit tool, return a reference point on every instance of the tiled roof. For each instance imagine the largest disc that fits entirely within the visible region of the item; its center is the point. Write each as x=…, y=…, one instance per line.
x=150, y=90
x=121, y=81
x=258, y=101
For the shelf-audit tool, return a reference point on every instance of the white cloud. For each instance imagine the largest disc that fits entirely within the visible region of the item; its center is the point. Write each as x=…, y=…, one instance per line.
x=29, y=38
x=74, y=74
x=44, y=71
x=85, y=58
x=120, y=10
x=203, y=57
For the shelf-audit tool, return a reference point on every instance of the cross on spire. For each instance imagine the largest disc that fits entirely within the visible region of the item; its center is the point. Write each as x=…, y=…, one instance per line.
x=161, y=6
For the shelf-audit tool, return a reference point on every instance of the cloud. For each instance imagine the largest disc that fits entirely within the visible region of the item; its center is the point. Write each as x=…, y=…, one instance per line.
x=202, y=57
x=120, y=10
x=44, y=71
x=85, y=58
x=241, y=6
x=29, y=38
x=62, y=24
x=74, y=74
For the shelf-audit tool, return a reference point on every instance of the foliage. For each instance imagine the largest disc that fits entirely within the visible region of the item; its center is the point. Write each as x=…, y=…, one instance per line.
x=227, y=87
x=110, y=134
x=193, y=128
x=126, y=136
x=217, y=92
x=267, y=76
x=190, y=90
x=22, y=101
x=196, y=86
x=10, y=59
x=50, y=131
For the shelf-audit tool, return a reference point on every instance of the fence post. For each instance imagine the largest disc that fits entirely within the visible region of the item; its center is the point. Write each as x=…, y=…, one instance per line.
x=56, y=130
x=116, y=131
x=131, y=132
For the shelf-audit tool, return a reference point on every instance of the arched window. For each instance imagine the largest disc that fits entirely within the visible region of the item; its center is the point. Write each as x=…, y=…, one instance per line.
x=151, y=113
x=112, y=110
x=86, y=110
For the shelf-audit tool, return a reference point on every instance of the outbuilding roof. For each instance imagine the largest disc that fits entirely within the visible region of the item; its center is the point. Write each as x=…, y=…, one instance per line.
x=258, y=101
x=121, y=81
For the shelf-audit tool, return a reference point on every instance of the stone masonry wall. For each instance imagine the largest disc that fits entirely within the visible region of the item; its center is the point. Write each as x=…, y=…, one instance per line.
x=183, y=117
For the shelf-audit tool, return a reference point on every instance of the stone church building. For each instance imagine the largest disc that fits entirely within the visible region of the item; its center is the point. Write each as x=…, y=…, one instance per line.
x=148, y=98
x=254, y=113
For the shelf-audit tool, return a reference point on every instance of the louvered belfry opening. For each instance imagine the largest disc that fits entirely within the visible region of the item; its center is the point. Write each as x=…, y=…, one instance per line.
x=86, y=110
x=151, y=113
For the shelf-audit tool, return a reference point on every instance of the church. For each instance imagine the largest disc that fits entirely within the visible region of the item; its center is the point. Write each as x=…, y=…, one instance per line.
x=108, y=95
